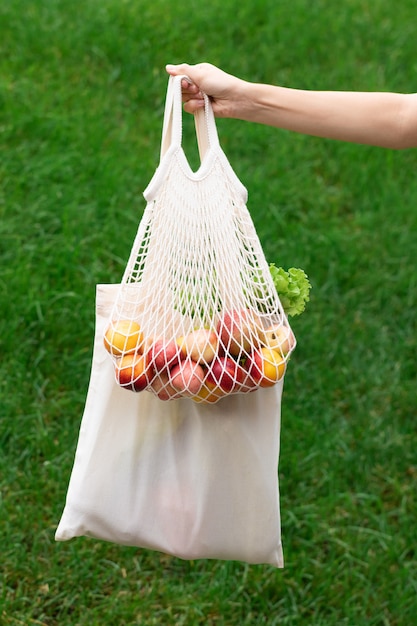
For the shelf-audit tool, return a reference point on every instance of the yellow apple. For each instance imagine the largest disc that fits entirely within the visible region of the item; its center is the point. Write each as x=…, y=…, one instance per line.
x=266, y=366
x=279, y=337
x=123, y=337
x=209, y=392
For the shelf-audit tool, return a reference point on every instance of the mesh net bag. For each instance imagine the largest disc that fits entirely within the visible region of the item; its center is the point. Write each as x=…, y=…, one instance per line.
x=197, y=314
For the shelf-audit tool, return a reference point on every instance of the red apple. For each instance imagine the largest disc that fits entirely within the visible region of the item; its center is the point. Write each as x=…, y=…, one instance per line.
x=163, y=355
x=265, y=366
x=187, y=377
x=161, y=386
x=248, y=383
x=131, y=372
x=226, y=374
x=238, y=331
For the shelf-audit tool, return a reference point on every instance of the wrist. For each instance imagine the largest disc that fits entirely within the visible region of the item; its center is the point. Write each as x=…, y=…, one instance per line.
x=243, y=101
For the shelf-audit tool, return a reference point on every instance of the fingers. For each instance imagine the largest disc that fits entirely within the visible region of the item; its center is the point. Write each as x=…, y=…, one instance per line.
x=191, y=71
x=192, y=97
x=220, y=87
x=188, y=87
x=193, y=104
x=174, y=70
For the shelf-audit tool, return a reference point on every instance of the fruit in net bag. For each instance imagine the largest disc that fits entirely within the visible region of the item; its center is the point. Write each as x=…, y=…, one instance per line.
x=132, y=372
x=123, y=337
x=278, y=337
x=226, y=374
x=162, y=387
x=266, y=366
x=163, y=355
x=238, y=331
x=187, y=377
x=200, y=345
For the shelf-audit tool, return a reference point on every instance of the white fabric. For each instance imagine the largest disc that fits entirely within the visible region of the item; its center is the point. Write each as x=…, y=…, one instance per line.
x=188, y=479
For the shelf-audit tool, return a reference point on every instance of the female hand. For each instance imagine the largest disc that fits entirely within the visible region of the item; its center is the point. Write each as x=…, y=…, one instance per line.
x=223, y=89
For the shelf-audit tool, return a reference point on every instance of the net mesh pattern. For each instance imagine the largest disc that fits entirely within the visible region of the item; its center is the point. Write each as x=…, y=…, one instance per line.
x=197, y=314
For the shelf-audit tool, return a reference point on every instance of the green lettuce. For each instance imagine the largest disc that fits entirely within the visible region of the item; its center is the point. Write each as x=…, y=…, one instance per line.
x=293, y=288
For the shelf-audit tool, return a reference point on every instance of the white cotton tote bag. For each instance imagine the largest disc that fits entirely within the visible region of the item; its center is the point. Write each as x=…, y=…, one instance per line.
x=192, y=480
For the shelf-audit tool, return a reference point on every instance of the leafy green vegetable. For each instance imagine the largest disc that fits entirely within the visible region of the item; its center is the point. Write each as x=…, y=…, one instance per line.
x=293, y=288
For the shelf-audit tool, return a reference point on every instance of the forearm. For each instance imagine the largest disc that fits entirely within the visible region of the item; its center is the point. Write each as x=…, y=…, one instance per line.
x=381, y=119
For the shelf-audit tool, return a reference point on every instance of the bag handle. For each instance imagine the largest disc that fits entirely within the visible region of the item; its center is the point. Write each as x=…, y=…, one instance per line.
x=205, y=124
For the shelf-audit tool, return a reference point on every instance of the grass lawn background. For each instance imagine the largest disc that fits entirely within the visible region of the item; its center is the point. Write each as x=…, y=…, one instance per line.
x=82, y=89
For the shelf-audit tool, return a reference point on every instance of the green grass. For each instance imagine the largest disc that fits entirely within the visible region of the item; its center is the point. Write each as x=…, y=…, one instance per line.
x=82, y=88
